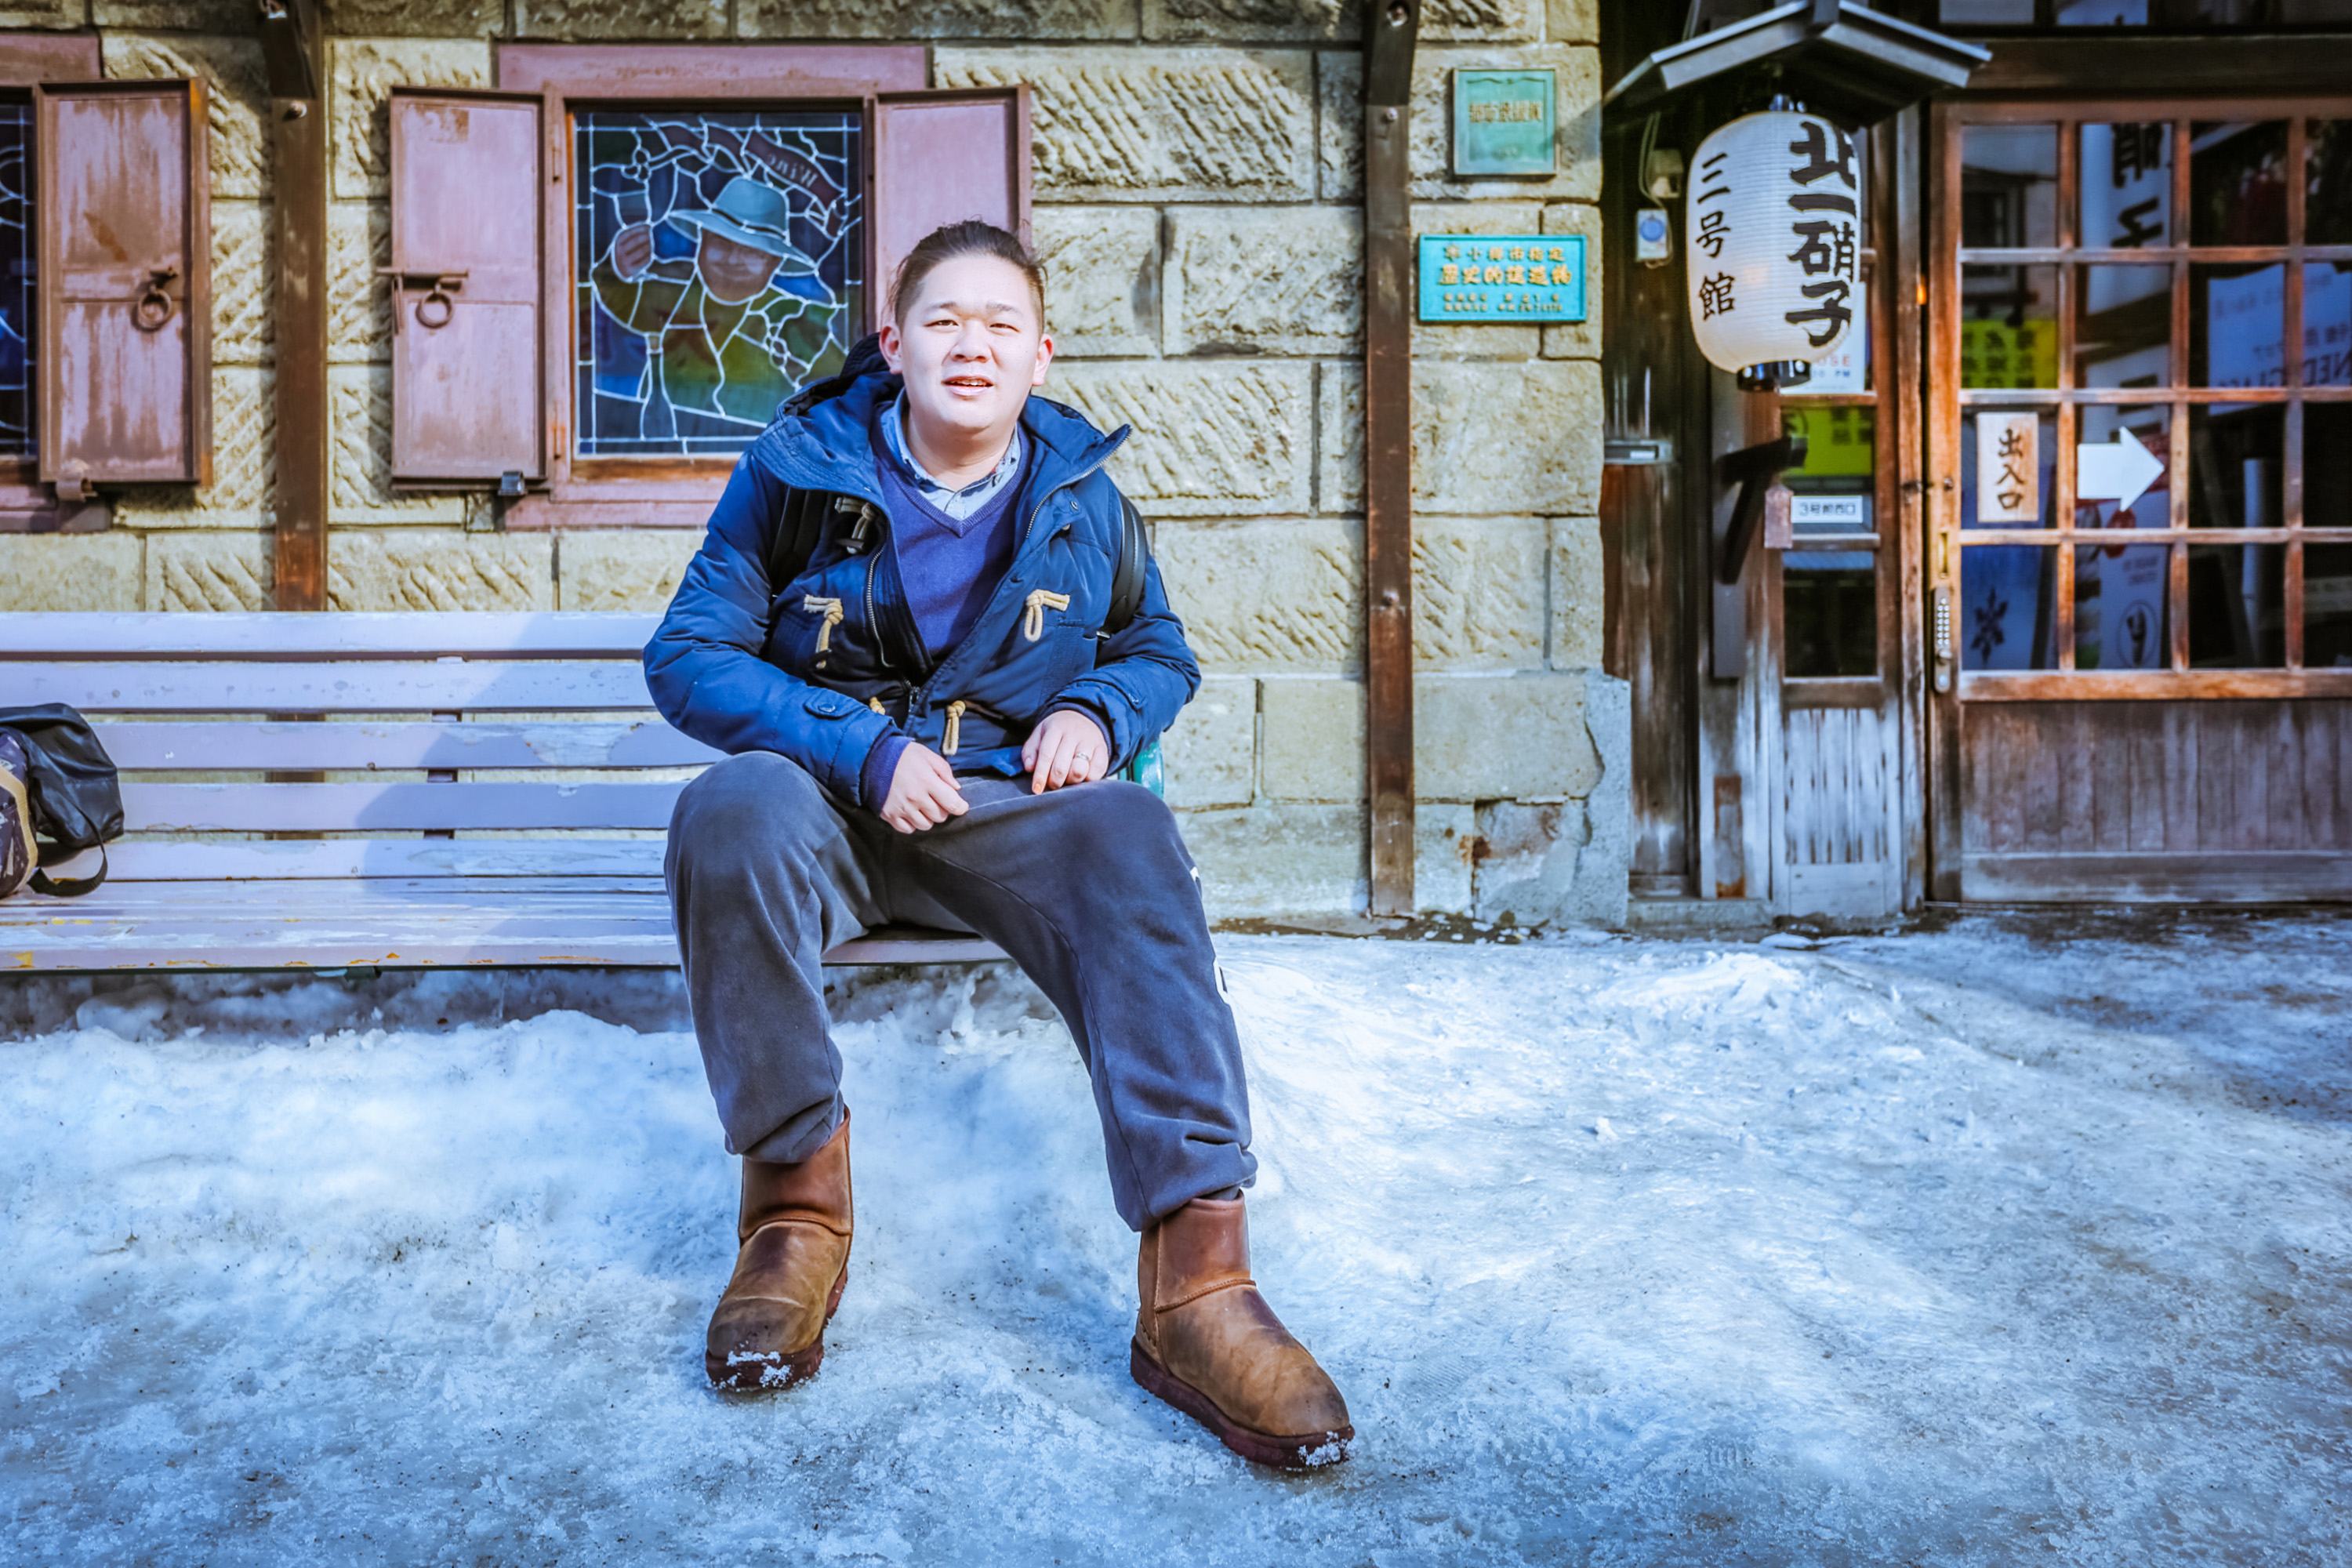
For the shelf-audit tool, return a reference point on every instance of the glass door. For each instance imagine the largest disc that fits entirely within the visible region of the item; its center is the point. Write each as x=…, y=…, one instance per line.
x=2140, y=427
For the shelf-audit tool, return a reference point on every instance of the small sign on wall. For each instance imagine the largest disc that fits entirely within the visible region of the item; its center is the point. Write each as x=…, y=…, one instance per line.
x=1504, y=122
x=1525, y=277
x=2008, y=468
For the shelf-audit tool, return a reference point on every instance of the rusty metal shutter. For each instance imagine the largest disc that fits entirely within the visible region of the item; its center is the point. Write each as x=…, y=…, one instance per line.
x=941, y=157
x=125, y=273
x=468, y=391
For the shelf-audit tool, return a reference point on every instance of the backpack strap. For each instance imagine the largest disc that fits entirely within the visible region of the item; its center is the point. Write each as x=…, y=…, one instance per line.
x=1126, y=578
x=797, y=534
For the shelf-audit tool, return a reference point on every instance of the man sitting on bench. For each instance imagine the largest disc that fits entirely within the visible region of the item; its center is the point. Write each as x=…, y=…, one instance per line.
x=923, y=720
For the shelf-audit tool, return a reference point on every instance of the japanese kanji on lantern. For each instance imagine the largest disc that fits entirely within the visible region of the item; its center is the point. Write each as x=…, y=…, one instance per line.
x=1772, y=236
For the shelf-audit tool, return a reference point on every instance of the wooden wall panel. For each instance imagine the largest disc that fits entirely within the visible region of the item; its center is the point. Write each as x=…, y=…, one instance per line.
x=2244, y=799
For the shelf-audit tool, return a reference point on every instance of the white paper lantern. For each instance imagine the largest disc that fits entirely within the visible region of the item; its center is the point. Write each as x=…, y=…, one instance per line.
x=1773, y=237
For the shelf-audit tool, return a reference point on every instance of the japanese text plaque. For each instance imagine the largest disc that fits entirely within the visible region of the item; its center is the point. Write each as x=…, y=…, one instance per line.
x=1523, y=278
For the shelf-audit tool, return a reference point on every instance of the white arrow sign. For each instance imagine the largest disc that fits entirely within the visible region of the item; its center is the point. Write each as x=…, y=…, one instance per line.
x=2120, y=470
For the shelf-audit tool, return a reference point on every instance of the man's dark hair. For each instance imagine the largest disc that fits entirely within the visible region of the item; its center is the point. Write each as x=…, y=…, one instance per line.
x=973, y=236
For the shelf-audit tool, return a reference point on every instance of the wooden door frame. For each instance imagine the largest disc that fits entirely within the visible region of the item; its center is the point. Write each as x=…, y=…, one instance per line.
x=2039, y=84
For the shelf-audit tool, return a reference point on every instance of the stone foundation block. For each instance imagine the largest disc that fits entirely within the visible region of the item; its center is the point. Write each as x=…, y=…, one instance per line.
x=1444, y=838
x=632, y=569
x=1506, y=438
x=1210, y=751
x=230, y=64
x=359, y=304
x=1564, y=863
x=415, y=18
x=360, y=452
x=1279, y=859
x=1276, y=595
x=1333, y=21
x=361, y=73
x=1478, y=599
x=1173, y=125
x=1285, y=280
x=569, y=20
x=245, y=286
x=1520, y=736
x=1577, y=610
x=1268, y=861
x=1509, y=438
x=1311, y=738
x=438, y=569
x=1340, y=151
x=1492, y=340
x=1210, y=440
x=70, y=572
x=1578, y=340
x=1573, y=21
x=225, y=17
x=211, y=571
x=50, y=16
x=1102, y=275
x=867, y=20
x=1340, y=437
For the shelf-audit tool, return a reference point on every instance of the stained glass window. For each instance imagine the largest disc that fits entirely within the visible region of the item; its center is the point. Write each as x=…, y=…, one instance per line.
x=16, y=301
x=717, y=262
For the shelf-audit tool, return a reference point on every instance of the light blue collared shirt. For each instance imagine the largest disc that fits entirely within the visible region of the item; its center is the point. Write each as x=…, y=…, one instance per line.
x=957, y=504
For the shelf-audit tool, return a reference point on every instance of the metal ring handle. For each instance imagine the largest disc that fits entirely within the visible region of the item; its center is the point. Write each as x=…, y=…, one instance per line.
x=448, y=308
x=152, y=310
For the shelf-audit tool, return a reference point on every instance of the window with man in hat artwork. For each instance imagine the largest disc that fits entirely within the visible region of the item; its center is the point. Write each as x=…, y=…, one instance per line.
x=16, y=299
x=718, y=266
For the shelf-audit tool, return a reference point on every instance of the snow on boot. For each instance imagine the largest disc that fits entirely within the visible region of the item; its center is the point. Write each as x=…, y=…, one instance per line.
x=794, y=1224
x=1207, y=1343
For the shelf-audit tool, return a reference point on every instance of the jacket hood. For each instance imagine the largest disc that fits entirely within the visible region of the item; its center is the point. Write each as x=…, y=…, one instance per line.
x=822, y=433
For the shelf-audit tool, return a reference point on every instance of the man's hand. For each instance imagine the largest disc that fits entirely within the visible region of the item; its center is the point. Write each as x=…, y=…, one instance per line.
x=632, y=251
x=1068, y=748
x=923, y=791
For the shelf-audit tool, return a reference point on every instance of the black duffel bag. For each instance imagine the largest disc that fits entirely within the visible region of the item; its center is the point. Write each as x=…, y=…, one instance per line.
x=56, y=781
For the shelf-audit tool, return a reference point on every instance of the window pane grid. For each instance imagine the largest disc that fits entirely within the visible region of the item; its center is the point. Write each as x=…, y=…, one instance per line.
x=2242, y=179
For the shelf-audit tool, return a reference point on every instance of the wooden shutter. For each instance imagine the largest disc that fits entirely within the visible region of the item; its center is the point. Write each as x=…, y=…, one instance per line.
x=941, y=157
x=467, y=381
x=125, y=272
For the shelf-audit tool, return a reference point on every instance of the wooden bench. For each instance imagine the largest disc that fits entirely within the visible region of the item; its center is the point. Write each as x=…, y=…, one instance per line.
x=340, y=790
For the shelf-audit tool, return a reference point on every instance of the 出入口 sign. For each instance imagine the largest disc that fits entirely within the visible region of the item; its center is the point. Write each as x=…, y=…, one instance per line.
x=1527, y=277
x=1503, y=122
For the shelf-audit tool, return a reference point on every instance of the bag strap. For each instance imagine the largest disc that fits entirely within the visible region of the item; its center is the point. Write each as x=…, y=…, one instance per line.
x=797, y=536
x=1126, y=578
x=68, y=887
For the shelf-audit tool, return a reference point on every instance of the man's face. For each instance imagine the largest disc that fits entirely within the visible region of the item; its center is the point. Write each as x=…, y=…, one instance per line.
x=733, y=271
x=972, y=346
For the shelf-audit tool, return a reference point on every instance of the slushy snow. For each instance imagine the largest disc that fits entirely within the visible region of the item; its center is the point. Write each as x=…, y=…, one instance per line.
x=1964, y=1246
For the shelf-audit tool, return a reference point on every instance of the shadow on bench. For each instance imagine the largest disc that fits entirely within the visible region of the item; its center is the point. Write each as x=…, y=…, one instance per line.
x=341, y=790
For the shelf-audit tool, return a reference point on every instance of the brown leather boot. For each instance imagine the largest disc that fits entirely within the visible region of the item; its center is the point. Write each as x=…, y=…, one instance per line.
x=1207, y=1343
x=794, y=1224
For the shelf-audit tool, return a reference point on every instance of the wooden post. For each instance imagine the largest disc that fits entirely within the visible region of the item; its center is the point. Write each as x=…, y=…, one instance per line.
x=1390, y=31
x=292, y=48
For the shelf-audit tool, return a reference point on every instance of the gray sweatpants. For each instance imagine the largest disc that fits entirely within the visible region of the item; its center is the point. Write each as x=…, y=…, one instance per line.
x=1088, y=888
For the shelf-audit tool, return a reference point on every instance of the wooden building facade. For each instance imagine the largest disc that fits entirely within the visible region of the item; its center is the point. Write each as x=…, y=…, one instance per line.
x=2063, y=608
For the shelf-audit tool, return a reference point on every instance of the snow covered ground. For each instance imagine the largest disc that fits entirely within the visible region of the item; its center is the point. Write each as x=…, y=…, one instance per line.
x=1962, y=1247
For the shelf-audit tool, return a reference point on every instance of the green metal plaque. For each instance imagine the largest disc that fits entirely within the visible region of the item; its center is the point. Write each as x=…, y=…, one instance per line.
x=1504, y=122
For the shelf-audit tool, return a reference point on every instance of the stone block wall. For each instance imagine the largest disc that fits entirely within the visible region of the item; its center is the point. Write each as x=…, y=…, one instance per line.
x=1198, y=185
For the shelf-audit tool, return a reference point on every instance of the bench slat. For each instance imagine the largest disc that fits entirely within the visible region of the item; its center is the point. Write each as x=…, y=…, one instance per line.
x=334, y=925
x=332, y=634
x=245, y=744
x=253, y=862
x=485, y=686
x=393, y=808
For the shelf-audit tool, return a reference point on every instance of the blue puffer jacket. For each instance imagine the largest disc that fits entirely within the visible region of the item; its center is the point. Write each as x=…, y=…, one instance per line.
x=824, y=668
